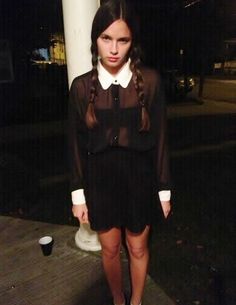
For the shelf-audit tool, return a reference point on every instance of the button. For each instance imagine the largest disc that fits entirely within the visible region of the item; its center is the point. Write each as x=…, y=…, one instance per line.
x=115, y=138
x=115, y=80
x=116, y=99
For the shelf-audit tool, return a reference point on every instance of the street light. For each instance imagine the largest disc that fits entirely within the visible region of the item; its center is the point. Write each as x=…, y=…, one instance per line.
x=189, y=3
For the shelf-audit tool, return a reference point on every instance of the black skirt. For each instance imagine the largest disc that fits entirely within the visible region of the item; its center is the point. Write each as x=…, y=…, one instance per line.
x=121, y=189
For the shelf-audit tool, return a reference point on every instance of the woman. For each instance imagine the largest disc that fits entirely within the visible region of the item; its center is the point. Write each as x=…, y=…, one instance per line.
x=119, y=158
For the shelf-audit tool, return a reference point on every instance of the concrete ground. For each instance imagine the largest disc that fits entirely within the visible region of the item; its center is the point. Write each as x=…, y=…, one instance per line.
x=69, y=276
x=189, y=108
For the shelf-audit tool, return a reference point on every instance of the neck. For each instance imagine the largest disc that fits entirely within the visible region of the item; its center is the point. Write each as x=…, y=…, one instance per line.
x=113, y=71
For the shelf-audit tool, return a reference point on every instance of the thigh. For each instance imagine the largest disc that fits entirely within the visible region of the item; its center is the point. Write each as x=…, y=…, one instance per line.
x=110, y=239
x=137, y=240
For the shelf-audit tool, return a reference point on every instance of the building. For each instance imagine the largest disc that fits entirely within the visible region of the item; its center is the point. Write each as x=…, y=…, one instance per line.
x=57, y=49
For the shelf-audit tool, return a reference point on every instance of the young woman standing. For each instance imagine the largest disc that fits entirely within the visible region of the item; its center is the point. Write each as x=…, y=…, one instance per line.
x=118, y=147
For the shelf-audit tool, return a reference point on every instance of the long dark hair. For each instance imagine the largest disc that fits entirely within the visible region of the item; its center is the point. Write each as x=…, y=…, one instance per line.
x=108, y=12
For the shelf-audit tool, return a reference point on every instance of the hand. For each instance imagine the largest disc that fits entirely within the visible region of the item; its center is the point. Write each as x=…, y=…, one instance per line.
x=81, y=212
x=166, y=208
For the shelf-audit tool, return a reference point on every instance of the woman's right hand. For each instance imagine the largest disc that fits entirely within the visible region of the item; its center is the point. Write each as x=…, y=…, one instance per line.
x=81, y=212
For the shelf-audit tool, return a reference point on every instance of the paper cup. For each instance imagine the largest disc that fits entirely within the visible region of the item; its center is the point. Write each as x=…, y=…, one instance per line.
x=46, y=243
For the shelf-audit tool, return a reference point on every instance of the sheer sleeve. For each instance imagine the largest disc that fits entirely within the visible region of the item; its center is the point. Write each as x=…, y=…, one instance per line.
x=162, y=153
x=77, y=135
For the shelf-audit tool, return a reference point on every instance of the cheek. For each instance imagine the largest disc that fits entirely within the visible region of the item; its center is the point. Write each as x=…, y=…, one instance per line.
x=99, y=50
x=102, y=50
x=126, y=50
x=99, y=47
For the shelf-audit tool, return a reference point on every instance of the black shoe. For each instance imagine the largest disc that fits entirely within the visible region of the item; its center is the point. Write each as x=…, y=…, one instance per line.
x=127, y=300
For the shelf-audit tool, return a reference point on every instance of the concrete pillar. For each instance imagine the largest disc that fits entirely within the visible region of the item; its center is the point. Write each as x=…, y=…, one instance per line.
x=78, y=16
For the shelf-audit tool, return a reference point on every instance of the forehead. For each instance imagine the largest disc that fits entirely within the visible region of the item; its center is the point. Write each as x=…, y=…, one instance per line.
x=118, y=28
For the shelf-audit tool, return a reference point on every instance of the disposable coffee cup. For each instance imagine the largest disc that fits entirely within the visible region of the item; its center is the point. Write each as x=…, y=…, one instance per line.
x=46, y=243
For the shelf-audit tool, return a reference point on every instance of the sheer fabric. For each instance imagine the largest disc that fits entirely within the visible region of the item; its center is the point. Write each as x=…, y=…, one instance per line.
x=119, y=116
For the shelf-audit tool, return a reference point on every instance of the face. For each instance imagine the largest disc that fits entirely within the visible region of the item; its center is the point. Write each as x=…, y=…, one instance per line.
x=113, y=46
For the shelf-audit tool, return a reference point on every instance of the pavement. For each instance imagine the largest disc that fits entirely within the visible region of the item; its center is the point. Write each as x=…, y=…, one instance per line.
x=189, y=108
x=219, y=98
x=69, y=276
x=221, y=89
x=39, y=149
x=206, y=107
x=191, y=124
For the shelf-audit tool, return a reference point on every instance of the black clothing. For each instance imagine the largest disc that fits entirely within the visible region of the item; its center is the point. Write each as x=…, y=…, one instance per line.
x=120, y=190
x=119, y=115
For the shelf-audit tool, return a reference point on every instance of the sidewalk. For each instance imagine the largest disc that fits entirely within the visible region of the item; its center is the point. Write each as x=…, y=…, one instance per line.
x=42, y=146
x=218, y=88
x=208, y=107
x=68, y=277
x=17, y=133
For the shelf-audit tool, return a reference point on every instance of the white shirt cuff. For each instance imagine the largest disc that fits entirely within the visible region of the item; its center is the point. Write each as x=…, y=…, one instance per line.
x=78, y=197
x=164, y=195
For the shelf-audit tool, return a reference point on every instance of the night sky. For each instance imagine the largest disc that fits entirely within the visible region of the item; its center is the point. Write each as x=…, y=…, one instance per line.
x=166, y=27
x=29, y=22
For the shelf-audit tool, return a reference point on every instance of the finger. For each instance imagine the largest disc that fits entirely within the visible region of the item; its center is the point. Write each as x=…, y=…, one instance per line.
x=85, y=217
x=75, y=214
x=79, y=216
x=167, y=213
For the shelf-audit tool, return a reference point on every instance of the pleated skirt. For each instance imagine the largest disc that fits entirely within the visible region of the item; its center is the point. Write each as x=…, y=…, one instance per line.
x=121, y=189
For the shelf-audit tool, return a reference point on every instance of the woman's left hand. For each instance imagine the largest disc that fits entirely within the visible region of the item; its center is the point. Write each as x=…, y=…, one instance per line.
x=166, y=208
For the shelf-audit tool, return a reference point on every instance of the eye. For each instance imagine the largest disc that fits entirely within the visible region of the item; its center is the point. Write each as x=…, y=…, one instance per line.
x=124, y=40
x=105, y=37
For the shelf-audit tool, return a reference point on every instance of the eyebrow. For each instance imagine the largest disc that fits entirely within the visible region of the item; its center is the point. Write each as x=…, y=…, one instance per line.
x=120, y=38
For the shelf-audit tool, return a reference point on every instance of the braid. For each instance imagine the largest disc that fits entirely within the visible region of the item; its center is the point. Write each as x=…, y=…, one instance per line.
x=139, y=86
x=90, y=116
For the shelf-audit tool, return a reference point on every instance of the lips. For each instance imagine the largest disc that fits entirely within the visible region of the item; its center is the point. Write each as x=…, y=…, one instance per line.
x=113, y=59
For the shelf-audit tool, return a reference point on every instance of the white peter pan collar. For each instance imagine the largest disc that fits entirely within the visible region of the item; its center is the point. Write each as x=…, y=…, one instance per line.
x=122, y=78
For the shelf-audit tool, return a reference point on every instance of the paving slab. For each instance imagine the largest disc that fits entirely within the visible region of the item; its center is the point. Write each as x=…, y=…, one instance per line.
x=69, y=276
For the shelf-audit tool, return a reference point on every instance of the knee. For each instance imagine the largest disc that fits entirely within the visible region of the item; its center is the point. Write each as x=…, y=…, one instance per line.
x=137, y=252
x=111, y=252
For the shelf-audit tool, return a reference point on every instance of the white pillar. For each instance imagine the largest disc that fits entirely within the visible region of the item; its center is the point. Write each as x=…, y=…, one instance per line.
x=78, y=16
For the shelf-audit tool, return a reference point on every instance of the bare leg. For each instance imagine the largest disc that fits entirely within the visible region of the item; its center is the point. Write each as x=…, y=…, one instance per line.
x=111, y=243
x=139, y=256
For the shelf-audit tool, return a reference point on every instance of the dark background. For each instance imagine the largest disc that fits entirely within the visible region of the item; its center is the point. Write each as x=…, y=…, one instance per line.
x=193, y=254
x=166, y=27
x=198, y=27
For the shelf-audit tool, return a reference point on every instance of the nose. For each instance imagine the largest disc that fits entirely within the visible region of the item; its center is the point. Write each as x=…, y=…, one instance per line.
x=114, y=48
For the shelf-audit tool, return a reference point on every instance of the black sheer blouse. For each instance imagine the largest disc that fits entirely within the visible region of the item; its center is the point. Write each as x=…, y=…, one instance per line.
x=119, y=115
